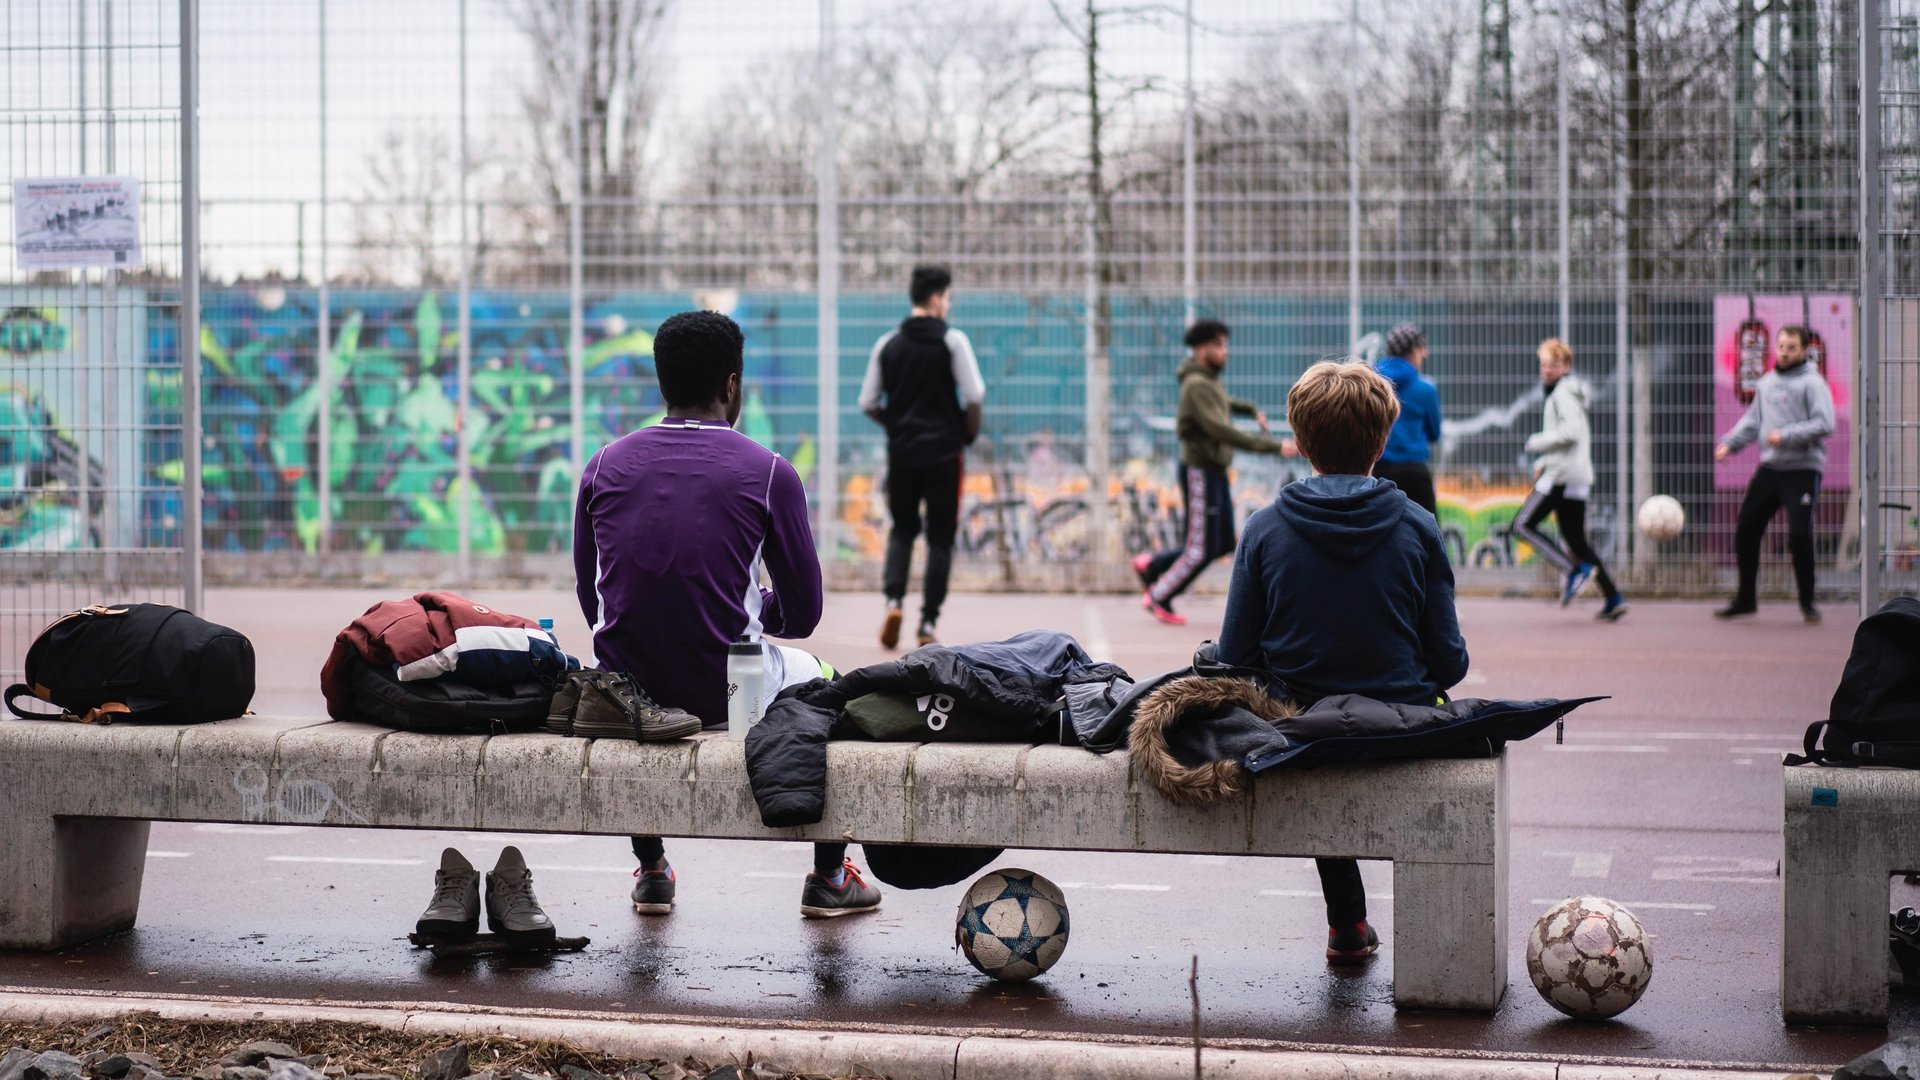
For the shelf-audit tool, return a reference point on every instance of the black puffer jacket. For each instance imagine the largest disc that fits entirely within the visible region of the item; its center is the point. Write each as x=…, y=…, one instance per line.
x=1013, y=688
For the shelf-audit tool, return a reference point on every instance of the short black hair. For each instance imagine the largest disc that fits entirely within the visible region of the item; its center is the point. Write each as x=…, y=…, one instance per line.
x=1800, y=334
x=693, y=353
x=1206, y=332
x=928, y=282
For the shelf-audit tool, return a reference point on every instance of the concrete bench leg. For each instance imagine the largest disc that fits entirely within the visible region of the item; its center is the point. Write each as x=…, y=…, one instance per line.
x=1833, y=955
x=67, y=880
x=1449, y=935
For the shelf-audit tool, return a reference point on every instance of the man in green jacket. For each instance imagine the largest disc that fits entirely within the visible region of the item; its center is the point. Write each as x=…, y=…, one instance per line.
x=1208, y=438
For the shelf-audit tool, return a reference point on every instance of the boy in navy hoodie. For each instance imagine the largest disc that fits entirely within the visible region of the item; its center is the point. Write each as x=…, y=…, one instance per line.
x=1342, y=586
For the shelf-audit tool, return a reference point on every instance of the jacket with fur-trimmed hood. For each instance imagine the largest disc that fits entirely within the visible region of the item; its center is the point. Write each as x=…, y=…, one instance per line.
x=1564, y=444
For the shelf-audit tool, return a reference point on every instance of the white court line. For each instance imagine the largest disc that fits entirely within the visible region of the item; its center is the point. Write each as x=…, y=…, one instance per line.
x=777, y=875
x=1475, y=677
x=1654, y=905
x=1314, y=894
x=483, y=838
x=169, y=854
x=1588, y=748
x=343, y=860
x=1114, y=888
x=1764, y=750
x=1586, y=864
x=1097, y=643
x=562, y=868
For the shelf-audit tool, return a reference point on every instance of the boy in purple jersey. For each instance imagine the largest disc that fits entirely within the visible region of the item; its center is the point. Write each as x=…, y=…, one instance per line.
x=671, y=527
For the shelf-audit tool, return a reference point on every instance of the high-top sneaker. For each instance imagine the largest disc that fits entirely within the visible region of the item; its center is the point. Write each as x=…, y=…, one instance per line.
x=512, y=911
x=455, y=909
x=612, y=706
x=566, y=701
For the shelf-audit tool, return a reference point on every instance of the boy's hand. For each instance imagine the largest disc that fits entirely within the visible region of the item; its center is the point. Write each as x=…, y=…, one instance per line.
x=1720, y=452
x=1773, y=438
x=1289, y=448
x=1261, y=419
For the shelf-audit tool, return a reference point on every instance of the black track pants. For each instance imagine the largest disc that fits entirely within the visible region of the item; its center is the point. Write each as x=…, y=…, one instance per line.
x=1798, y=492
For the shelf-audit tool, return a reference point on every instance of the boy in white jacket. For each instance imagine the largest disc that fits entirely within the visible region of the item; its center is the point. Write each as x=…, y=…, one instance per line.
x=1564, y=480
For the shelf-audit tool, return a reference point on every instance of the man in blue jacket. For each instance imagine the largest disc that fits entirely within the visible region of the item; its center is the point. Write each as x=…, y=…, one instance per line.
x=1410, y=447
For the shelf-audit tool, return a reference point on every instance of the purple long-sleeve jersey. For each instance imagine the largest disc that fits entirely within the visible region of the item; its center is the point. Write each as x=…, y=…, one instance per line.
x=670, y=524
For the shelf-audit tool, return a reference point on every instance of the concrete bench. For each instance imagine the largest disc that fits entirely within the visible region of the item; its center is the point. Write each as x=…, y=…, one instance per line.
x=1847, y=832
x=75, y=803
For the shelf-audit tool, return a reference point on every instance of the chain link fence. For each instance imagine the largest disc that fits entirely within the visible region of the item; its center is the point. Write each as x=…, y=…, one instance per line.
x=437, y=234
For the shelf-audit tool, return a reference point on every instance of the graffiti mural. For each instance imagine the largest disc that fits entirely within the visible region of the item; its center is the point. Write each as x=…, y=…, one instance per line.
x=65, y=483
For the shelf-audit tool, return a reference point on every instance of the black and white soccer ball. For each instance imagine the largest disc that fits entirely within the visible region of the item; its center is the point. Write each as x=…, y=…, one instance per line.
x=1589, y=958
x=1012, y=924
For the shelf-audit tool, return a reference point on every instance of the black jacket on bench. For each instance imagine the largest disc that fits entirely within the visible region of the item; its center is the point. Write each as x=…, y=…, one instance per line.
x=1013, y=689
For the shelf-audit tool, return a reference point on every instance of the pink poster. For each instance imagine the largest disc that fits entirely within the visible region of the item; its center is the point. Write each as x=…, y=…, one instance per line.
x=1744, y=328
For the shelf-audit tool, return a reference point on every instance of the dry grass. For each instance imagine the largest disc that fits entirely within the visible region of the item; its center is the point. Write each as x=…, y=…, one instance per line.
x=182, y=1046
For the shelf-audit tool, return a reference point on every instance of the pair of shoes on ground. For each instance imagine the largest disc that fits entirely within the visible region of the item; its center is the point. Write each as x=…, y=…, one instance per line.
x=513, y=913
x=1737, y=610
x=820, y=898
x=890, y=628
x=610, y=705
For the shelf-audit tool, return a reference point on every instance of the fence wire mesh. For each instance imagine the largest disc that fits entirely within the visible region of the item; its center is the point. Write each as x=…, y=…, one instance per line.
x=90, y=414
x=1893, y=229
x=1649, y=180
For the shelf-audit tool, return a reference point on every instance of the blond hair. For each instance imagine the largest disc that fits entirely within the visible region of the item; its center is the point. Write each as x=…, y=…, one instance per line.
x=1341, y=412
x=1559, y=351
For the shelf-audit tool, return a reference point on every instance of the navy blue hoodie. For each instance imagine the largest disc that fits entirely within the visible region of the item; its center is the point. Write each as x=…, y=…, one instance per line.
x=1342, y=586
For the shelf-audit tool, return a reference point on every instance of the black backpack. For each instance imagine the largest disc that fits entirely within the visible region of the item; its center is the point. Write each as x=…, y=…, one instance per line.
x=1875, y=717
x=147, y=662
x=442, y=706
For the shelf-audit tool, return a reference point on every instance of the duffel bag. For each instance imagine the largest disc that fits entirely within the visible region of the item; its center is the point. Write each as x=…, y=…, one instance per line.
x=441, y=706
x=146, y=662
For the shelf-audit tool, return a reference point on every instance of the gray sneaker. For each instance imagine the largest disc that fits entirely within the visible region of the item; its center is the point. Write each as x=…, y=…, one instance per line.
x=566, y=701
x=613, y=707
x=820, y=899
x=512, y=911
x=455, y=910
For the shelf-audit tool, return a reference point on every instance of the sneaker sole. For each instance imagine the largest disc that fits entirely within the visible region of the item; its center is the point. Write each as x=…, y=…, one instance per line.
x=524, y=937
x=1168, y=619
x=1729, y=616
x=890, y=630
x=447, y=931
x=1351, y=956
x=653, y=909
x=669, y=732
x=809, y=912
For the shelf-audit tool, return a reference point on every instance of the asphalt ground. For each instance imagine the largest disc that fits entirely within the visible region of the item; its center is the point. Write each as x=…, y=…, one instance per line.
x=1665, y=798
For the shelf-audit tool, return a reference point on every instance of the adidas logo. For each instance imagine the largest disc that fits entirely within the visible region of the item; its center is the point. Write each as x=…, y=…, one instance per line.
x=938, y=707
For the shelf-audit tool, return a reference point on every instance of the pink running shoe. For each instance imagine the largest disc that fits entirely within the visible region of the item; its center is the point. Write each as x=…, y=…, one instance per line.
x=1161, y=611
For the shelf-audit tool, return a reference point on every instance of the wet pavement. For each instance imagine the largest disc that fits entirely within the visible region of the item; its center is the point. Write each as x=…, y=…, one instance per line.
x=1666, y=798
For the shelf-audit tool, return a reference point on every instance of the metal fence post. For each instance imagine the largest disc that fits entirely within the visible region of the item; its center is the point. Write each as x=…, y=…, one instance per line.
x=1099, y=428
x=1190, y=228
x=463, y=434
x=190, y=301
x=1353, y=176
x=1867, y=404
x=827, y=241
x=323, y=330
x=1624, y=536
x=576, y=330
x=1564, y=179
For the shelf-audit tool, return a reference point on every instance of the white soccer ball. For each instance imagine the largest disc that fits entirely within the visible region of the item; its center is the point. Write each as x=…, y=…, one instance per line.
x=1589, y=958
x=1661, y=518
x=1012, y=924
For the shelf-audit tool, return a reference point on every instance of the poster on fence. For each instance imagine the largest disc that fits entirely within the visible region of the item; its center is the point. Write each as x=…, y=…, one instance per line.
x=67, y=222
x=1745, y=329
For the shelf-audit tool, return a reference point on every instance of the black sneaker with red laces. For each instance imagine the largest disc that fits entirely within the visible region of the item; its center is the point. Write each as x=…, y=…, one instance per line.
x=823, y=899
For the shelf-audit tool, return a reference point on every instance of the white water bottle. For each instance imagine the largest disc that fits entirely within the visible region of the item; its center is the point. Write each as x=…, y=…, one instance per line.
x=746, y=685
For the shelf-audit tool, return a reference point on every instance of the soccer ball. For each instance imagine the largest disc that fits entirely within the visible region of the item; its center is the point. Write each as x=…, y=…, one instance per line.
x=1012, y=924
x=1589, y=958
x=1661, y=518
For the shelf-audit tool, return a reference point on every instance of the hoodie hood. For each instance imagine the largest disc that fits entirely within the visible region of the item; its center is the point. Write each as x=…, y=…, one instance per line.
x=1190, y=366
x=924, y=329
x=1574, y=387
x=1398, y=371
x=1346, y=517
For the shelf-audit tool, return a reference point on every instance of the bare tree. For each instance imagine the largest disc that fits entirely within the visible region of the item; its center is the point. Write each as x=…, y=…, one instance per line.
x=404, y=203
x=612, y=68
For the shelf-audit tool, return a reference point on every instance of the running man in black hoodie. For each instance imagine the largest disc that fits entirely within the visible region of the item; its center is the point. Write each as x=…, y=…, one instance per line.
x=923, y=385
x=1342, y=586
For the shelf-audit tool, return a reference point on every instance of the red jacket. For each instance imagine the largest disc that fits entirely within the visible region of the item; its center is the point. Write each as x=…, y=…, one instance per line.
x=432, y=634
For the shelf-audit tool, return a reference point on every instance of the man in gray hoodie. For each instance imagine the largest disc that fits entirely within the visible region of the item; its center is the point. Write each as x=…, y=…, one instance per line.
x=1563, y=482
x=1792, y=415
